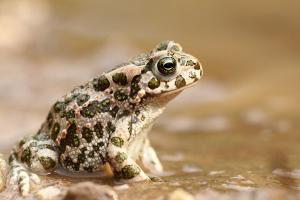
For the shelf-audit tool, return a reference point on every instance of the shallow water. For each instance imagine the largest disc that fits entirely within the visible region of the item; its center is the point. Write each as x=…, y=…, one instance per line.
x=236, y=131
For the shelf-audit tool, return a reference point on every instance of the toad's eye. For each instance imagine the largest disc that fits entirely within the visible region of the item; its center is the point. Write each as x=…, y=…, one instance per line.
x=166, y=66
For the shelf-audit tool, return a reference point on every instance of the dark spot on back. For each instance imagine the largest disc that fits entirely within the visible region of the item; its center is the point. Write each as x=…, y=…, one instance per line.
x=120, y=78
x=98, y=128
x=110, y=128
x=59, y=107
x=89, y=111
x=68, y=99
x=81, y=99
x=101, y=83
x=87, y=134
x=102, y=106
x=120, y=95
x=72, y=137
x=69, y=114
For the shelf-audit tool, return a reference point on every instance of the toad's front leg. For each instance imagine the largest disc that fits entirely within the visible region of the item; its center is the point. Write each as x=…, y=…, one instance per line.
x=125, y=169
x=150, y=159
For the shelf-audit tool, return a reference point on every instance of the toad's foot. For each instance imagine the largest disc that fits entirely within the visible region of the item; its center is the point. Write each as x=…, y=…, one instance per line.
x=21, y=178
x=125, y=168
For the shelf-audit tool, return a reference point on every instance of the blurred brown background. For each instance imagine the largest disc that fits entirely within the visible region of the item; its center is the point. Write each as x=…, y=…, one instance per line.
x=249, y=51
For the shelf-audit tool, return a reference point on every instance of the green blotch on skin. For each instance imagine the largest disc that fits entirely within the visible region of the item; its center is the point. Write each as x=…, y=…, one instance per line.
x=117, y=141
x=110, y=128
x=121, y=157
x=101, y=83
x=68, y=114
x=98, y=128
x=120, y=95
x=47, y=163
x=72, y=137
x=55, y=131
x=26, y=156
x=89, y=111
x=69, y=99
x=120, y=78
x=180, y=82
x=87, y=134
x=59, y=107
x=153, y=83
x=81, y=99
x=134, y=86
x=102, y=106
x=130, y=171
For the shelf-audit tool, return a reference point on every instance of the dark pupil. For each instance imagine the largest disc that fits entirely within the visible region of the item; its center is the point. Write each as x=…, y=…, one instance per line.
x=167, y=66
